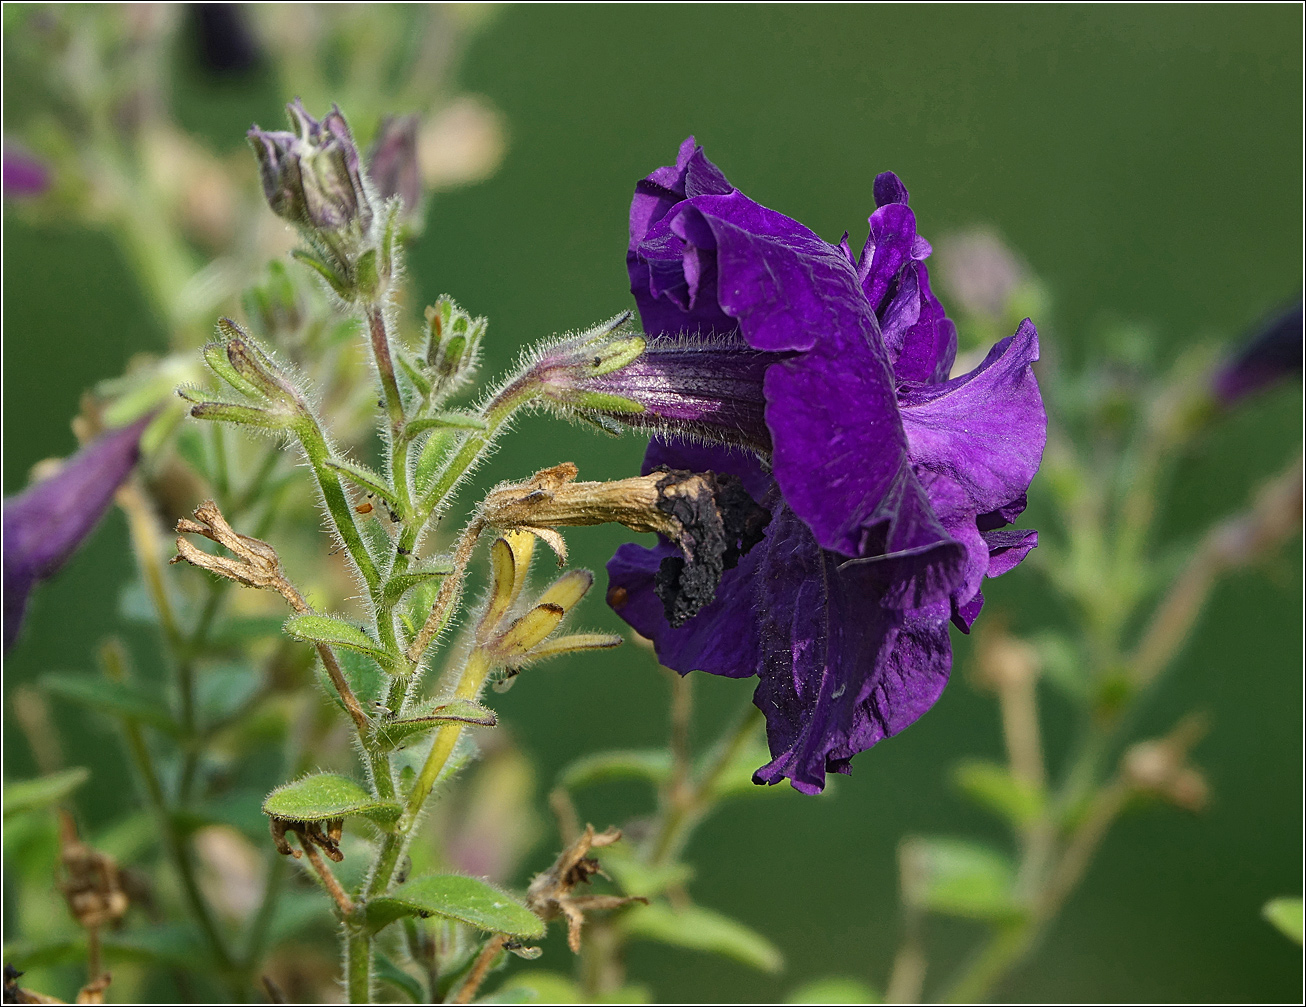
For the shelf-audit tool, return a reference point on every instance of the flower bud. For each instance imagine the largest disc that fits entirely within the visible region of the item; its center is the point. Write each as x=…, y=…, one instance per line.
x=249, y=370
x=311, y=176
x=453, y=343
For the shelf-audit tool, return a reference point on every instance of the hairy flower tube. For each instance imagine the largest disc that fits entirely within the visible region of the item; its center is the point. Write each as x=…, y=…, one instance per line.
x=44, y=525
x=890, y=484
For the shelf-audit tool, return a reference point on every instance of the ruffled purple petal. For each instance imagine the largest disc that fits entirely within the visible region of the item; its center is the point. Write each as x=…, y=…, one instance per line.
x=985, y=431
x=692, y=175
x=44, y=525
x=669, y=302
x=839, y=671
x=919, y=338
x=839, y=453
x=1008, y=547
x=976, y=442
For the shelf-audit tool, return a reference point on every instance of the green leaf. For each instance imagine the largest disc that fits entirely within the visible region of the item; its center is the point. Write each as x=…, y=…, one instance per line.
x=219, y=410
x=606, y=402
x=168, y=944
x=392, y=734
x=362, y=476
x=956, y=877
x=324, y=796
x=438, y=447
x=623, y=862
x=108, y=696
x=834, y=990
x=400, y=584
x=365, y=269
x=222, y=690
x=992, y=786
x=367, y=680
x=388, y=972
x=242, y=629
x=337, y=282
x=736, y=779
x=1285, y=914
x=419, y=380
x=455, y=897
x=703, y=930
x=549, y=987
x=446, y=421
x=28, y=795
x=651, y=764
x=335, y=633
x=241, y=809
x=165, y=945
x=25, y=955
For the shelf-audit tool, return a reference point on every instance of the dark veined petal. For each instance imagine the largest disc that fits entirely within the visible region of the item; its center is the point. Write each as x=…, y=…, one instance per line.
x=692, y=175
x=839, y=671
x=669, y=303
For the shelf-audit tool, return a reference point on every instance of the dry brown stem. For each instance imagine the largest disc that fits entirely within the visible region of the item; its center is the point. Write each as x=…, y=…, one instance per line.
x=550, y=894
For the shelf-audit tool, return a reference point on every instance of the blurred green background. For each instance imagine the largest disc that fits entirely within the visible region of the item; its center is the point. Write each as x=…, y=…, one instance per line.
x=1146, y=162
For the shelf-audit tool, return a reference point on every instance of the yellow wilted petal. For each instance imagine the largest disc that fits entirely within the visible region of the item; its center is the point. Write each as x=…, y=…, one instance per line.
x=522, y=544
x=573, y=642
x=526, y=632
x=503, y=585
x=568, y=589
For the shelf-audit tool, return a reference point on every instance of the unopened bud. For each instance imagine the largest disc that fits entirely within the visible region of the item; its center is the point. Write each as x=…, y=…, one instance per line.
x=453, y=342
x=251, y=371
x=1273, y=355
x=311, y=177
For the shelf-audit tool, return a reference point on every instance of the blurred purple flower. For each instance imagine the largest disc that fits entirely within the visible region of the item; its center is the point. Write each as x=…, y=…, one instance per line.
x=24, y=175
x=393, y=165
x=1273, y=355
x=225, y=41
x=889, y=484
x=44, y=525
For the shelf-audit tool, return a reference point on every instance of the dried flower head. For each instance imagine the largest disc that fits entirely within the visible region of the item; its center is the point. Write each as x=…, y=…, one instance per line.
x=551, y=894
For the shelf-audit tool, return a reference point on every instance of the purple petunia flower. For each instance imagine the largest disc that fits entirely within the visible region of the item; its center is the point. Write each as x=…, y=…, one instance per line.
x=890, y=484
x=393, y=164
x=44, y=525
x=1274, y=354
